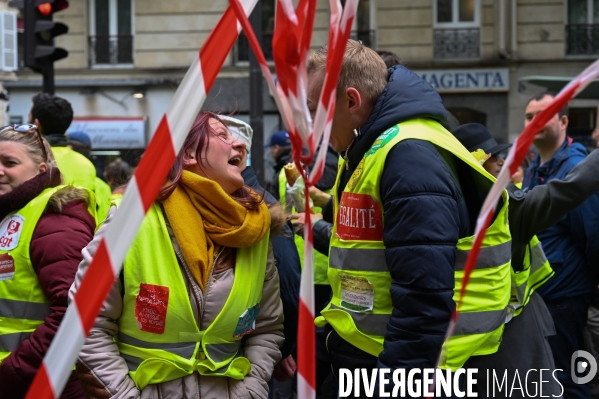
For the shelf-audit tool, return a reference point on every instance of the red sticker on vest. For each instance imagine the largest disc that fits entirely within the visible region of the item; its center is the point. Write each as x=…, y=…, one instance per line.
x=150, y=308
x=10, y=232
x=7, y=267
x=359, y=218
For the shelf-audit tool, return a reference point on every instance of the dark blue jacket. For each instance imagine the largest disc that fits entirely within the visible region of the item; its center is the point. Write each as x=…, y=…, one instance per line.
x=571, y=245
x=288, y=265
x=424, y=216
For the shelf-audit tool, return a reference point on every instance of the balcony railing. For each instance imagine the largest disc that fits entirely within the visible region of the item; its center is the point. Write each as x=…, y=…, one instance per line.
x=243, y=47
x=457, y=43
x=582, y=39
x=367, y=37
x=111, y=49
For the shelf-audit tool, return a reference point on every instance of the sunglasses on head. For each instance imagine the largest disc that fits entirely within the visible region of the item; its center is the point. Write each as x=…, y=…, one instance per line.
x=26, y=129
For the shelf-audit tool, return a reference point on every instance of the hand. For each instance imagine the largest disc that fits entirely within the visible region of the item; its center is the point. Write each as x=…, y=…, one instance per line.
x=298, y=220
x=594, y=136
x=90, y=384
x=285, y=369
x=320, y=198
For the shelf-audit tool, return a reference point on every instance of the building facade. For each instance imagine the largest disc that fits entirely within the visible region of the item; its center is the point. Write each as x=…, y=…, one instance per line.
x=126, y=58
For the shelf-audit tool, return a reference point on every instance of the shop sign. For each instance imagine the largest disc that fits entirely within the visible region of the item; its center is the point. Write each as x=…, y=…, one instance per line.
x=467, y=80
x=112, y=133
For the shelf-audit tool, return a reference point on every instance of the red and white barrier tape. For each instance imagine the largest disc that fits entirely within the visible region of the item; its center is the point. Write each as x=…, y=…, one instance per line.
x=141, y=193
x=291, y=44
x=513, y=160
x=290, y=51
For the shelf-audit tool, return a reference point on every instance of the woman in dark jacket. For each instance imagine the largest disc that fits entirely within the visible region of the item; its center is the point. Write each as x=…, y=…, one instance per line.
x=39, y=261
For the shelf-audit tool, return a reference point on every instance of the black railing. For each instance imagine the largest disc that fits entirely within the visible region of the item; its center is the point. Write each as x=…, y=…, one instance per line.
x=243, y=47
x=367, y=37
x=111, y=49
x=454, y=43
x=582, y=39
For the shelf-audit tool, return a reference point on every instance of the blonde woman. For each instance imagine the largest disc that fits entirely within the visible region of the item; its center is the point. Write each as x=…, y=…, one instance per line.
x=44, y=228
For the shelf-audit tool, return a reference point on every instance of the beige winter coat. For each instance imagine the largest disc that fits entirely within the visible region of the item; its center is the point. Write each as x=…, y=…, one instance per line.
x=101, y=355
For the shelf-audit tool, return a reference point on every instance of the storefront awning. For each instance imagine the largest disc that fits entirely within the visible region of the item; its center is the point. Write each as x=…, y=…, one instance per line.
x=556, y=83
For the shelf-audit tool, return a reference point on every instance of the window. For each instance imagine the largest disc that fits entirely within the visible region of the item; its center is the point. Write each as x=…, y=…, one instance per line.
x=457, y=29
x=268, y=27
x=111, y=40
x=581, y=122
x=8, y=41
x=457, y=13
x=582, y=30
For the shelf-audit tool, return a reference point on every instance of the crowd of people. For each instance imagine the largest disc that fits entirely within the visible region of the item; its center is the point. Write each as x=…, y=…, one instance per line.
x=206, y=305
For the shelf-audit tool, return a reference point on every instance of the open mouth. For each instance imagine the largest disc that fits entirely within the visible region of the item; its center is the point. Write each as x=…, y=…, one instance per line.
x=235, y=161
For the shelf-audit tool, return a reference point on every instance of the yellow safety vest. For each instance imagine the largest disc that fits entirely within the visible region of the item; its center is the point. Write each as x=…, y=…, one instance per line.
x=103, y=198
x=321, y=262
x=158, y=335
x=79, y=171
x=537, y=271
x=359, y=276
x=23, y=304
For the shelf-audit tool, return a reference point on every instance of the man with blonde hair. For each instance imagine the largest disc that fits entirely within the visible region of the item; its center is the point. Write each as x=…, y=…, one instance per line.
x=406, y=193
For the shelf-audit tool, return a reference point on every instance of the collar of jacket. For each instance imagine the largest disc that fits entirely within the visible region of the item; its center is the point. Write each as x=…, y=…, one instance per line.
x=56, y=140
x=19, y=197
x=251, y=180
x=549, y=167
x=406, y=96
x=283, y=159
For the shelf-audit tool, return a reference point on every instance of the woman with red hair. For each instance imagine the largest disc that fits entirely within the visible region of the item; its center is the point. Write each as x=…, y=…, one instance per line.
x=196, y=311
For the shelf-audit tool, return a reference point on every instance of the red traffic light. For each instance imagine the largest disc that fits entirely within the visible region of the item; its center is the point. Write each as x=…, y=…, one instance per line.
x=45, y=8
x=52, y=6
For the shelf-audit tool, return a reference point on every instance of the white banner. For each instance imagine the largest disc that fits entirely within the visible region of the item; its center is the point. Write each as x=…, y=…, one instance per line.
x=112, y=133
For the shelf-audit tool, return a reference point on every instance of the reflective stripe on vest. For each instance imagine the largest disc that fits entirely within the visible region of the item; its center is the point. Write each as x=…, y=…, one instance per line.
x=23, y=304
x=321, y=261
x=184, y=349
x=358, y=270
x=178, y=348
x=488, y=257
x=13, y=308
x=357, y=259
x=10, y=342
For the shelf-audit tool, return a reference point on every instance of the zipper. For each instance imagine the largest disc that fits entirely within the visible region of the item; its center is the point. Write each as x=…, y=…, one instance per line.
x=184, y=388
x=189, y=281
x=198, y=385
x=209, y=283
x=326, y=344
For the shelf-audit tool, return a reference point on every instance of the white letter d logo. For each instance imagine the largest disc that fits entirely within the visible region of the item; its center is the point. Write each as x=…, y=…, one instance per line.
x=583, y=366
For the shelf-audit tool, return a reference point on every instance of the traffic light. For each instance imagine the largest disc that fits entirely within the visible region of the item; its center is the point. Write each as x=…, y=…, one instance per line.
x=39, y=33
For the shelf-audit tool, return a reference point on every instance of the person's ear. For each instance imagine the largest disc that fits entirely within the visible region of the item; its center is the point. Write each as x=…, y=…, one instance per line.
x=564, y=121
x=36, y=122
x=42, y=167
x=189, y=158
x=354, y=99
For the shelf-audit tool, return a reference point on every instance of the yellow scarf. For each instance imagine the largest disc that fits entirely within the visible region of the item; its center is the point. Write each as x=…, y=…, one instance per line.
x=204, y=219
